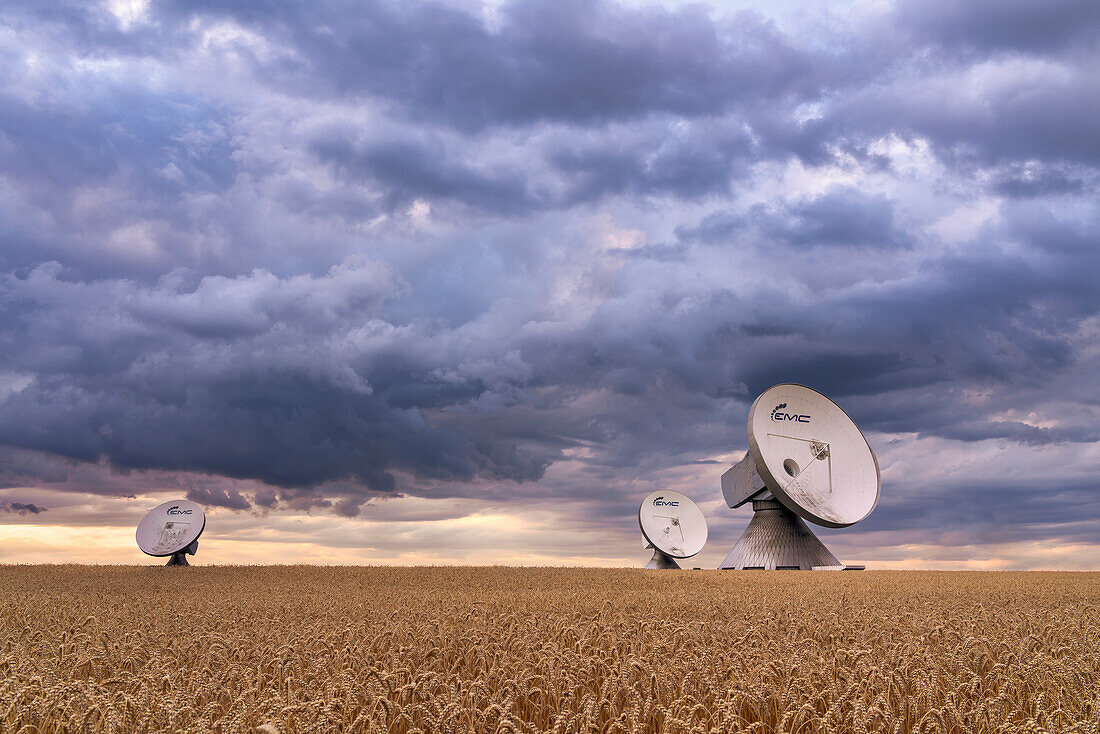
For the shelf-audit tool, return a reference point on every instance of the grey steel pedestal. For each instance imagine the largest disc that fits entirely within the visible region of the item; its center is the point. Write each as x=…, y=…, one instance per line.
x=778, y=539
x=180, y=557
x=662, y=561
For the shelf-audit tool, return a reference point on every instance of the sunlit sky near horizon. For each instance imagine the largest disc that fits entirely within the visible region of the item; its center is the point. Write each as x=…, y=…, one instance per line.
x=461, y=282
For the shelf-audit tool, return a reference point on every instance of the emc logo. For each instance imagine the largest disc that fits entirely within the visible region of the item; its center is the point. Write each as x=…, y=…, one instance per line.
x=175, y=510
x=662, y=502
x=796, y=417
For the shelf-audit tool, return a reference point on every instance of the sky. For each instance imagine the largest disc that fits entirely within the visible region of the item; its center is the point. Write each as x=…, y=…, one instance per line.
x=459, y=282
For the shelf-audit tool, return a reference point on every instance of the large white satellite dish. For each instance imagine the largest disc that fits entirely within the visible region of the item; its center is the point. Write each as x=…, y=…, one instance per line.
x=807, y=460
x=172, y=529
x=673, y=526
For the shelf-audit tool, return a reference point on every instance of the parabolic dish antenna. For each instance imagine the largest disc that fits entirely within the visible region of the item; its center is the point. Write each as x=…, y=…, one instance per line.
x=172, y=529
x=808, y=459
x=673, y=526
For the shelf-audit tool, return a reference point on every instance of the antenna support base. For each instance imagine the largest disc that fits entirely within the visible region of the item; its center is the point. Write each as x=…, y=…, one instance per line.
x=662, y=561
x=179, y=558
x=778, y=539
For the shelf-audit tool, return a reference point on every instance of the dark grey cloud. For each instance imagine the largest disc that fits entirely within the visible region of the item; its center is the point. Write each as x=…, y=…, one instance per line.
x=1029, y=181
x=228, y=379
x=839, y=217
x=1001, y=511
x=22, y=508
x=652, y=159
x=218, y=498
x=408, y=171
x=1013, y=25
x=564, y=61
x=669, y=158
x=1044, y=116
x=706, y=95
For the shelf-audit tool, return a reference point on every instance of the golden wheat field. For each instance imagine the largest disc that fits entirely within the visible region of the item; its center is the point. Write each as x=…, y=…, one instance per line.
x=321, y=649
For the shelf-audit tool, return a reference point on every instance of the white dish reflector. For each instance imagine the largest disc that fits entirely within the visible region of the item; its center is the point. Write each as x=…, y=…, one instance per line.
x=812, y=457
x=169, y=528
x=672, y=523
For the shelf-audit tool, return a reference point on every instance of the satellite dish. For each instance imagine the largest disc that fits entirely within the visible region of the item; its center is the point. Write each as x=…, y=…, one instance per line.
x=807, y=460
x=673, y=526
x=172, y=529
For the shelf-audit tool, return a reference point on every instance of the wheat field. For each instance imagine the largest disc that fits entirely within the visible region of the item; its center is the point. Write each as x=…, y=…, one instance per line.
x=321, y=649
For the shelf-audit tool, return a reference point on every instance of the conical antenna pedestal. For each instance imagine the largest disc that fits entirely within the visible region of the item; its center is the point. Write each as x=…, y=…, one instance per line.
x=778, y=539
x=180, y=558
x=660, y=561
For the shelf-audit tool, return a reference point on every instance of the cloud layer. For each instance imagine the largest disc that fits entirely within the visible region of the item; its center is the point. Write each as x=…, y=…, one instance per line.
x=540, y=257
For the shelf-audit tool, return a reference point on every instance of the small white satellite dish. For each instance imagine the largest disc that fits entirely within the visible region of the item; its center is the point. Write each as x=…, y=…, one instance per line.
x=172, y=529
x=673, y=526
x=807, y=458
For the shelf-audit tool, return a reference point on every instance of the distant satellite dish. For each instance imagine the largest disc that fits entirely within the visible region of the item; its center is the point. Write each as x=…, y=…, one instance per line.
x=806, y=460
x=673, y=526
x=172, y=529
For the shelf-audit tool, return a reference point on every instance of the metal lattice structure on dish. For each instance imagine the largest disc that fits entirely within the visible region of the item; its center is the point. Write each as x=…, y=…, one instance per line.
x=807, y=461
x=171, y=529
x=673, y=526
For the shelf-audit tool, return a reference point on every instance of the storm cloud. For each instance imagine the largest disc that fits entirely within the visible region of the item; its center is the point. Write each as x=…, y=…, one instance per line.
x=22, y=508
x=309, y=256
